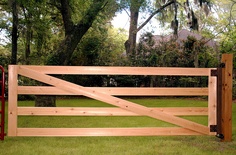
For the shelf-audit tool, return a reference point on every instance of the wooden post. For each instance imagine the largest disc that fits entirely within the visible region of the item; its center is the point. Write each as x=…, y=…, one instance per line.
x=226, y=107
x=219, y=102
x=12, y=100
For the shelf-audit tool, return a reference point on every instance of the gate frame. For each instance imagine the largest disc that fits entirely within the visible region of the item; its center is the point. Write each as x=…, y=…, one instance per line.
x=40, y=73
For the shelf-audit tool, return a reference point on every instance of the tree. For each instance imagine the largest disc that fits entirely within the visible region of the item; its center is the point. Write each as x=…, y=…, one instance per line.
x=102, y=45
x=172, y=53
x=35, y=28
x=58, y=27
x=134, y=8
x=11, y=8
x=227, y=21
x=134, y=15
x=74, y=31
x=228, y=37
x=162, y=8
x=14, y=31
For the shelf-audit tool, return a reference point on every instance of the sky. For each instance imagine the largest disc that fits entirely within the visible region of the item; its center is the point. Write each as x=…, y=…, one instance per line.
x=3, y=40
x=121, y=20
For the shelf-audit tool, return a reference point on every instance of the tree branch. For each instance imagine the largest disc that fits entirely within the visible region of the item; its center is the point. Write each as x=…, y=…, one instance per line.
x=154, y=13
x=92, y=13
x=231, y=10
x=75, y=32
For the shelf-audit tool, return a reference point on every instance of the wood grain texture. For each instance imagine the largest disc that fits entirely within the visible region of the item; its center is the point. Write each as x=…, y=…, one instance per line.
x=65, y=132
x=227, y=86
x=12, y=100
x=212, y=101
x=101, y=111
x=96, y=70
x=118, y=91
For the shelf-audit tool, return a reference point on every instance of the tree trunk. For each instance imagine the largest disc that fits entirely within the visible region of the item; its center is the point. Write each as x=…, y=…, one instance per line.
x=14, y=32
x=66, y=49
x=130, y=44
x=196, y=64
x=73, y=35
x=74, y=32
x=27, y=44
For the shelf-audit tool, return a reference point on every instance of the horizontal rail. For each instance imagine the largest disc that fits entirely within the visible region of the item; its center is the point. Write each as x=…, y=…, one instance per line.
x=96, y=70
x=119, y=91
x=104, y=131
x=89, y=111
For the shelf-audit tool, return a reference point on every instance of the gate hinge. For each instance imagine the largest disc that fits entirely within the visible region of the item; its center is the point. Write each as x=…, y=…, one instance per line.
x=214, y=72
x=213, y=128
x=221, y=136
x=222, y=65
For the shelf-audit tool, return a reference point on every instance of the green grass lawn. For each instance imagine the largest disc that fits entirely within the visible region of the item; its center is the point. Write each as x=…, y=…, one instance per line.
x=115, y=145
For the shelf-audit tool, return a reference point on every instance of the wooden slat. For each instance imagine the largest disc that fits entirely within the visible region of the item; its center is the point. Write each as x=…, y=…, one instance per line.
x=104, y=131
x=12, y=100
x=96, y=70
x=118, y=91
x=142, y=110
x=88, y=111
x=212, y=99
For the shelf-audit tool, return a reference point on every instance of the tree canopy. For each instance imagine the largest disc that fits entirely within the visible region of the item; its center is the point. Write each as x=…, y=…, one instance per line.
x=79, y=32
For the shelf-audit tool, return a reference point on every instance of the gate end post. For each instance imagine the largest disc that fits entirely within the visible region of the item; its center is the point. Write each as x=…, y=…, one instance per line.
x=12, y=99
x=226, y=98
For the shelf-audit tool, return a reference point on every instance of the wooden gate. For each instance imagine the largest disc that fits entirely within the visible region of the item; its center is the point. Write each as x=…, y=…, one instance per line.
x=107, y=95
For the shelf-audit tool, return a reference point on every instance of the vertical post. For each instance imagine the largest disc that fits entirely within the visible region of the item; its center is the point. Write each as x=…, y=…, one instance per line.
x=212, y=99
x=2, y=98
x=12, y=100
x=219, y=101
x=226, y=107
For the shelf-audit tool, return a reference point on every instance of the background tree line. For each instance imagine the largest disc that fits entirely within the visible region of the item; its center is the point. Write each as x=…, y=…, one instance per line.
x=79, y=32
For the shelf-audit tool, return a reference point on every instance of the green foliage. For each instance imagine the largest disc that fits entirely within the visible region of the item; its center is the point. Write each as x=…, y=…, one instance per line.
x=38, y=27
x=144, y=5
x=5, y=56
x=174, y=54
x=164, y=53
x=227, y=43
x=102, y=45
